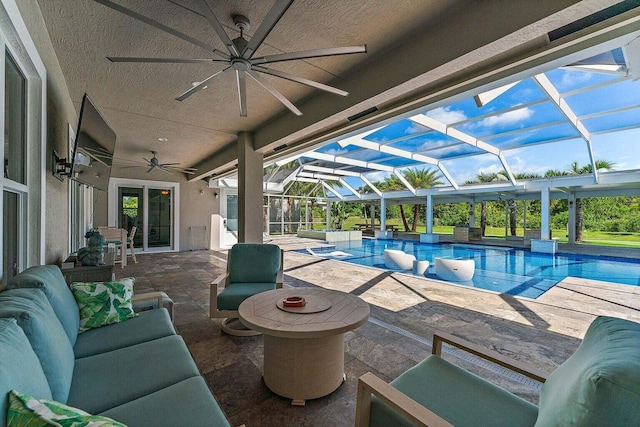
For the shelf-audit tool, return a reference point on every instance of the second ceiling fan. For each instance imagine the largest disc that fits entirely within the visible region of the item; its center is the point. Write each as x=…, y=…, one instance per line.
x=240, y=58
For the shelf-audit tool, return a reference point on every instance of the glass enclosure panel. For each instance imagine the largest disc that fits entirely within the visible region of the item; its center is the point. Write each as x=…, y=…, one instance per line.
x=131, y=212
x=232, y=212
x=159, y=218
x=10, y=235
x=15, y=122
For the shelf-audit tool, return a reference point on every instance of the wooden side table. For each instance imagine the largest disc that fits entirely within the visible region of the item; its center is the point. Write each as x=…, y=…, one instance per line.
x=303, y=352
x=89, y=273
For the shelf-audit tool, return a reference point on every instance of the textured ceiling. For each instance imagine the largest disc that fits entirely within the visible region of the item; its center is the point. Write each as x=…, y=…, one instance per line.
x=138, y=99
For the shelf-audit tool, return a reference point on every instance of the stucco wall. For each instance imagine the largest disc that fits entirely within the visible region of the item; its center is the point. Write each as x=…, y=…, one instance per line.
x=60, y=112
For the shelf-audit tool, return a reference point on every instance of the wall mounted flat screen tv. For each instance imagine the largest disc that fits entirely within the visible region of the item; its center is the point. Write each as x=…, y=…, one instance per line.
x=93, y=150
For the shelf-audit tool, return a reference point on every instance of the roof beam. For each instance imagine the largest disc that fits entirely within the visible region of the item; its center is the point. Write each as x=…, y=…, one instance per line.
x=434, y=124
x=545, y=84
x=631, y=52
x=370, y=184
x=404, y=181
x=346, y=185
x=330, y=188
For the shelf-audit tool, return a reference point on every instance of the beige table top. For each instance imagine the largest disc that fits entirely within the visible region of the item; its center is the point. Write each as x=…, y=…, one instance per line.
x=260, y=313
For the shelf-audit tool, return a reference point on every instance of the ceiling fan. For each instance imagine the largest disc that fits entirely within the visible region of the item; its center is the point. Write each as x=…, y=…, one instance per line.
x=154, y=163
x=240, y=57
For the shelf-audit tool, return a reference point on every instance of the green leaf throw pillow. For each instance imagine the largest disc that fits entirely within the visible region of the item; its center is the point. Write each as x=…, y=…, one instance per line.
x=103, y=303
x=27, y=411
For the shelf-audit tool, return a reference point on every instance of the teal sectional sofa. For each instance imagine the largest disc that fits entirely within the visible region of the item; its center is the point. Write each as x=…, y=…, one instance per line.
x=138, y=372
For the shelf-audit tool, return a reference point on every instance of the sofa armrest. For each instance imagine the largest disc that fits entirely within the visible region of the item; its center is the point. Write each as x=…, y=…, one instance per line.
x=369, y=384
x=154, y=299
x=492, y=356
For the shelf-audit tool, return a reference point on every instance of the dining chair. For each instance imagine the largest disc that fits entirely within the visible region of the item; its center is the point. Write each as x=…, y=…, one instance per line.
x=130, y=247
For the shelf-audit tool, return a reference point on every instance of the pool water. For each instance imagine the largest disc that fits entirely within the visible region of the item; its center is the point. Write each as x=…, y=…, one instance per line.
x=505, y=270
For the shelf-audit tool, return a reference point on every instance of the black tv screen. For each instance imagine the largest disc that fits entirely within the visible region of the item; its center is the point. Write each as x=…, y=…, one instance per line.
x=93, y=150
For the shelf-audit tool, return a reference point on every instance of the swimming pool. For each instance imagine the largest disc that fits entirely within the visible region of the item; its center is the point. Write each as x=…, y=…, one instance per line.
x=506, y=270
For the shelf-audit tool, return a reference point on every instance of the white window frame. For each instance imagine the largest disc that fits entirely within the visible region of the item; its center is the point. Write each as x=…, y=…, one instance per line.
x=15, y=38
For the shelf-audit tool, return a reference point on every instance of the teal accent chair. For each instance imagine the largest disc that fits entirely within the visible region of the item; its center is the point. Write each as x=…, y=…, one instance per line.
x=251, y=268
x=599, y=385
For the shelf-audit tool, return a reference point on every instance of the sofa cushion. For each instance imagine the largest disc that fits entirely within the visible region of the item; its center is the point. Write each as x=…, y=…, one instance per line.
x=233, y=295
x=148, y=326
x=198, y=407
x=18, y=359
x=254, y=263
x=111, y=379
x=25, y=410
x=600, y=383
x=50, y=280
x=103, y=303
x=458, y=396
x=48, y=339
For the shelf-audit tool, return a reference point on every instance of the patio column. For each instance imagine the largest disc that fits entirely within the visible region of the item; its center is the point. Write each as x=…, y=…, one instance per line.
x=544, y=212
x=429, y=214
x=544, y=244
x=571, y=225
x=250, y=193
x=328, y=224
x=472, y=213
x=383, y=233
x=429, y=236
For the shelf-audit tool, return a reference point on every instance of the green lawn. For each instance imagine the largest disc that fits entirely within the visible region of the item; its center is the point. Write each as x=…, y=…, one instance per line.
x=589, y=236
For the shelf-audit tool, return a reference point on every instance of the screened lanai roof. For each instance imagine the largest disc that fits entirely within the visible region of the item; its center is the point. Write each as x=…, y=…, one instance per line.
x=575, y=115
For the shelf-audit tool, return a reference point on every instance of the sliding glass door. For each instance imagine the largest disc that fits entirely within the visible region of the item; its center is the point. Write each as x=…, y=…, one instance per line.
x=149, y=206
x=160, y=221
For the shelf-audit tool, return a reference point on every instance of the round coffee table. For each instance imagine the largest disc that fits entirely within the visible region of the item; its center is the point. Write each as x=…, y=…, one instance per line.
x=303, y=352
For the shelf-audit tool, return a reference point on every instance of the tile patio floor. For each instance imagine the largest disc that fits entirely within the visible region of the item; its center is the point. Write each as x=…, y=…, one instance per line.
x=405, y=310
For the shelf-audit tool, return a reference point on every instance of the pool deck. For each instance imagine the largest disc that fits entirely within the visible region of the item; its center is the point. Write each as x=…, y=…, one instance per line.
x=507, y=323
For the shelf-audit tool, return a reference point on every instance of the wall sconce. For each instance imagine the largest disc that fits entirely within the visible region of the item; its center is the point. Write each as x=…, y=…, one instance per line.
x=202, y=192
x=215, y=195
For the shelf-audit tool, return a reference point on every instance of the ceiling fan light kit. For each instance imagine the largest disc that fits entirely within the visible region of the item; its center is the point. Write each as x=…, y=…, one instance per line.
x=169, y=168
x=240, y=57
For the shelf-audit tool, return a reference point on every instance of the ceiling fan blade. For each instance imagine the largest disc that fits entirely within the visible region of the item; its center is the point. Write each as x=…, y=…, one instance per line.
x=266, y=26
x=242, y=92
x=164, y=60
x=265, y=84
x=305, y=54
x=217, y=27
x=183, y=170
x=162, y=27
x=151, y=168
x=165, y=170
x=169, y=164
x=300, y=80
x=199, y=86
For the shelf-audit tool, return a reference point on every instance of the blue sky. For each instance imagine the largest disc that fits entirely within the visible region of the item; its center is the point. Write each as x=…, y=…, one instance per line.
x=522, y=117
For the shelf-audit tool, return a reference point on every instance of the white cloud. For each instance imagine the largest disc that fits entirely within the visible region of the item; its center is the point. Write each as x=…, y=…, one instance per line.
x=446, y=115
x=414, y=128
x=377, y=176
x=571, y=78
x=509, y=117
x=335, y=151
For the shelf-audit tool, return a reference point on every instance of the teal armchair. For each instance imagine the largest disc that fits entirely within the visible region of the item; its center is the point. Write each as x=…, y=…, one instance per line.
x=251, y=268
x=599, y=385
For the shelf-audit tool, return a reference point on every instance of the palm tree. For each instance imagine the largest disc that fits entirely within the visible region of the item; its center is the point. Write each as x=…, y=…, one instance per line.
x=575, y=169
x=512, y=205
x=483, y=178
x=393, y=183
x=420, y=178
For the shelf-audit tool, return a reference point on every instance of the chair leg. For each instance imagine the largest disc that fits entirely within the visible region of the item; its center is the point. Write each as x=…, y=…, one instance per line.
x=133, y=253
